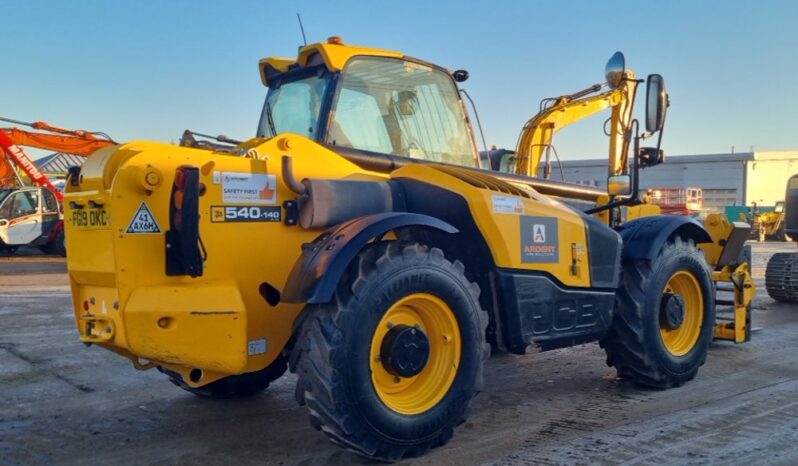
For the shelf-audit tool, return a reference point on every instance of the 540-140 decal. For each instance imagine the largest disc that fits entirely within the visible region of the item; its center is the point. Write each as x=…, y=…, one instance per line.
x=245, y=213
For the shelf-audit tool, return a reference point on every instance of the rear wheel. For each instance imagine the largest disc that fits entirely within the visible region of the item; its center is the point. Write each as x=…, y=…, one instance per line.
x=389, y=368
x=234, y=386
x=664, y=318
x=781, y=277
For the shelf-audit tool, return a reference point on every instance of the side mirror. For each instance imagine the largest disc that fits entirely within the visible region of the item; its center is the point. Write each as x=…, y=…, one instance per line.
x=656, y=103
x=619, y=185
x=614, y=70
x=3, y=222
x=650, y=156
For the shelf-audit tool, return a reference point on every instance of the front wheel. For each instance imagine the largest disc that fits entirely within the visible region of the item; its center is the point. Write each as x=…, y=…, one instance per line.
x=389, y=368
x=664, y=318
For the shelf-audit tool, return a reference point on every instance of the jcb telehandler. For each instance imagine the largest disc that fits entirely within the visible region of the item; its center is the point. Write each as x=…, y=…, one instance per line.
x=357, y=242
x=781, y=274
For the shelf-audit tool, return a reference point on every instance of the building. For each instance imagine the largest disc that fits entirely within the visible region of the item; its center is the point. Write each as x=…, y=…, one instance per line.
x=726, y=179
x=56, y=165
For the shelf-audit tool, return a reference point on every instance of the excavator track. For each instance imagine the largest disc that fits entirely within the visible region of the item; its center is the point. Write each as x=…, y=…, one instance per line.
x=781, y=277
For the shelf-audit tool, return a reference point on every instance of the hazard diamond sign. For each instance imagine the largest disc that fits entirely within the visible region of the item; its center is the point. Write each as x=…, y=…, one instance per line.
x=143, y=221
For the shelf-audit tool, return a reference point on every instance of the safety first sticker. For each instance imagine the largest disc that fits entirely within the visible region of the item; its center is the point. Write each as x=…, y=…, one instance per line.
x=244, y=213
x=143, y=221
x=540, y=242
x=247, y=188
x=507, y=205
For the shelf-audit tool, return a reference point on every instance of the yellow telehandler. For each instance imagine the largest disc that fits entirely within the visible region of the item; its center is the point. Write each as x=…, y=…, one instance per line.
x=357, y=242
x=781, y=274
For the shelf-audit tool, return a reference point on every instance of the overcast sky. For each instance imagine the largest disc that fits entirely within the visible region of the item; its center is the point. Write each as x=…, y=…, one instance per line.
x=150, y=69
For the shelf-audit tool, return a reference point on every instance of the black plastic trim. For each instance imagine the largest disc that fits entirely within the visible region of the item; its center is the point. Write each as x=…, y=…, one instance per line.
x=535, y=309
x=316, y=274
x=644, y=237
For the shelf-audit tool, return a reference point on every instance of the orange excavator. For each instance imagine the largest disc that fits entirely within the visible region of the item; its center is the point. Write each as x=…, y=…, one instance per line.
x=32, y=215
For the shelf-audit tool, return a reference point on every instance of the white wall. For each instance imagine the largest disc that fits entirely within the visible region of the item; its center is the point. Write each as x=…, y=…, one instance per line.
x=767, y=176
x=759, y=177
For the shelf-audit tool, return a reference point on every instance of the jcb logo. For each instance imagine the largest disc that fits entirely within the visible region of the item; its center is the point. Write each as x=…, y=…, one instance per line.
x=538, y=233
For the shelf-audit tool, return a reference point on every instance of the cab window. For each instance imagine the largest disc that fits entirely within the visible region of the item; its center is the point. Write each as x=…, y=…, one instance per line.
x=50, y=204
x=20, y=204
x=293, y=107
x=398, y=107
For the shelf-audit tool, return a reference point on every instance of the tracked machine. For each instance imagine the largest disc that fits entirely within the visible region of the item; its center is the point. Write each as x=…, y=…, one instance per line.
x=781, y=274
x=356, y=241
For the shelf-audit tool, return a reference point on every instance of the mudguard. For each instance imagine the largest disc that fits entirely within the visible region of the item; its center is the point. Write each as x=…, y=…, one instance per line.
x=316, y=274
x=644, y=237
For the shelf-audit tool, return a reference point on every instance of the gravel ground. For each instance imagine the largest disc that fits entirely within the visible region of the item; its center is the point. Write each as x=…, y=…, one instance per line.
x=64, y=403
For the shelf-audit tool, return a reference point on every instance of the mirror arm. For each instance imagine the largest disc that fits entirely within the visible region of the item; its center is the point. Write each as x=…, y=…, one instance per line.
x=633, y=198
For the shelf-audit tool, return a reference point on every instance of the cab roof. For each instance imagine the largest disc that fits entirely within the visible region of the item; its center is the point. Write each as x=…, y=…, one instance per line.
x=334, y=53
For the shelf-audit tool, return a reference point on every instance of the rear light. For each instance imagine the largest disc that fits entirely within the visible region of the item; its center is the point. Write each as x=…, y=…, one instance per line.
x=180, y=179
x=184, y=252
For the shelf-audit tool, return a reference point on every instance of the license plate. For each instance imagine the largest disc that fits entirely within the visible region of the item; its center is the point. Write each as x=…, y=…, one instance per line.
x=93, y=218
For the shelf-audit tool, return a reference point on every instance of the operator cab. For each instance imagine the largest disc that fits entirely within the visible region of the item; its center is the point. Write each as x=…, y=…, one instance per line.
x=381, y=105
x=27, y=214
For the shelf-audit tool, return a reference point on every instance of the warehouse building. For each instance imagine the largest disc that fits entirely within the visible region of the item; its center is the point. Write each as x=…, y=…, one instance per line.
x=726, y=179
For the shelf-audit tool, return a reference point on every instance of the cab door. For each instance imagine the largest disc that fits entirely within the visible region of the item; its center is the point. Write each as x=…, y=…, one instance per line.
x=21, y=217
x=50, y=210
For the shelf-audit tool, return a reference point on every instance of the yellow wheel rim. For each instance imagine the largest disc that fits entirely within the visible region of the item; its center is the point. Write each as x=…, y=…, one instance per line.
x=681, y=340
x=421, y=392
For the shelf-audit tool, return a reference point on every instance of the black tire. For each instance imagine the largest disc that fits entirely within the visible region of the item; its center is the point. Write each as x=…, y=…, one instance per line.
x=634, y=344
x=235, y=386
x=332, y=354
x=781, y=277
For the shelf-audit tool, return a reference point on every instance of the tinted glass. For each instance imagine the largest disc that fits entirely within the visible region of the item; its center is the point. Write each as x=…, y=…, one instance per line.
x=294, y=107
x=24, y=203
x=50, y=204
x=402, y=108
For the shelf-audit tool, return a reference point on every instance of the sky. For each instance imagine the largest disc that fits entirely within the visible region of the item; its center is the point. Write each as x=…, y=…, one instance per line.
x=147, y=70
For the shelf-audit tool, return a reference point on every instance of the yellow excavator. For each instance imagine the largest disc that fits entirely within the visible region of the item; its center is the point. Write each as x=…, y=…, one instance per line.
x=781, y=274
x=356, y=241
x=771, y=225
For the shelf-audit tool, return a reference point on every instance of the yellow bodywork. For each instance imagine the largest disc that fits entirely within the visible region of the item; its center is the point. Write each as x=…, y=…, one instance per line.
x=121, y=294
x=502, y=232
x=219, y=322
x=125, y=302
x=335, y=56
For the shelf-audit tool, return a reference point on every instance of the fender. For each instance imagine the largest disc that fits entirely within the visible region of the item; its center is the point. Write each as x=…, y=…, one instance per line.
x=316, y=274
x=644, y=237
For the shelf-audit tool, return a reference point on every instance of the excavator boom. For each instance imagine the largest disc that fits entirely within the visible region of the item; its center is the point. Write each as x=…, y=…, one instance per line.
x=538, y=133
x=21, y=159
x=83, y=145
x=58, y=139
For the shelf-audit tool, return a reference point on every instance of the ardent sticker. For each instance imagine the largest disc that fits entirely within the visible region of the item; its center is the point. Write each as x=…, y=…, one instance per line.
x=249, y=188
x=507, y=205
x=143, y=221
x=539, y=240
